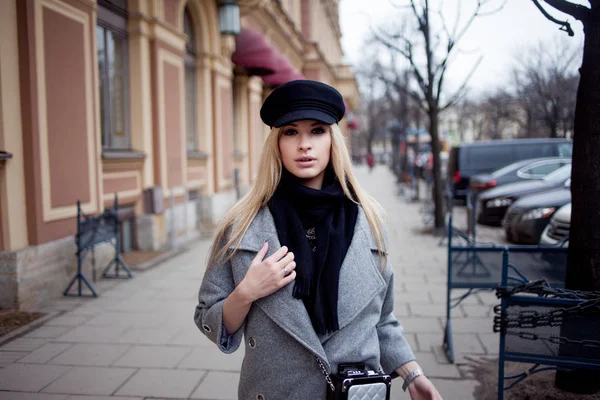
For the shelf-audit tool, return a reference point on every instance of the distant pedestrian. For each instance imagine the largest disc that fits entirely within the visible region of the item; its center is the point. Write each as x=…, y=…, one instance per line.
x=299, y=265
x=370, y=161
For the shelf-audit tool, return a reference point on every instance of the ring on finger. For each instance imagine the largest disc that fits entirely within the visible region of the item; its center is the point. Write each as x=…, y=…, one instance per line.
x=285, y=270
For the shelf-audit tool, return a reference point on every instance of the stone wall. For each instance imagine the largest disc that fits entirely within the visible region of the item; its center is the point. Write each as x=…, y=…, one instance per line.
x=30, y=276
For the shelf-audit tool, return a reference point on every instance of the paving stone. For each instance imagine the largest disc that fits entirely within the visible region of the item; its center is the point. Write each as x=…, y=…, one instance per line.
x=45, y=353
x=9, y=357
x=477, y=325
x=92, y=334
x=67, y=320
x=153, y=357
x=48, y=332
x=427, y=310
x=23, y=344
x=412, y=297
x=29, y=377
x=31, y=396
x=149, y=336
x=211, y=358
x=90, y=380
x=191, y=337
x=462, y=389
x=477, y=311
x=91, y=354
x=129, y=320
x=105, y=398
x=490, y=341
x=488, y=298
x=218, y=386
x=163, y=383
x=422, y=324
x=427, y=340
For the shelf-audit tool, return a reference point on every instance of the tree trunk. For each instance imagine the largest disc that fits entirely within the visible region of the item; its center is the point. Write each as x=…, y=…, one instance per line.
x=583, y=264
x=438, y=194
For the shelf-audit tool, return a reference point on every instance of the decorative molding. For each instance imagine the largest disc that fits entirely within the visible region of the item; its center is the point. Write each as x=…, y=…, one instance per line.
x=57, y=213
x=124, y=193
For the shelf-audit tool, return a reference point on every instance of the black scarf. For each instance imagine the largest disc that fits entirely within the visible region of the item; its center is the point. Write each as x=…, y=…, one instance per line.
x=296, y=208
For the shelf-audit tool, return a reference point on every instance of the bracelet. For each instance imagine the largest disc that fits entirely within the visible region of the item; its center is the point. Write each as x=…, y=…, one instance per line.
x=411, y=377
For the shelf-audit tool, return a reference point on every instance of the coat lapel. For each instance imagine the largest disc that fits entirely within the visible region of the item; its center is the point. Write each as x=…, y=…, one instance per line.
x=286, y=311
x=359, y=266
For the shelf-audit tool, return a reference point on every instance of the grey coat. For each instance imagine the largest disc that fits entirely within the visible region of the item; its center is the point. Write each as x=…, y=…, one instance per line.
x=281, y=345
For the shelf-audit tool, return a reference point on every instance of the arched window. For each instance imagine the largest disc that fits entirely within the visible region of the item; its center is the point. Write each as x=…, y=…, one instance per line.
x=190, y=82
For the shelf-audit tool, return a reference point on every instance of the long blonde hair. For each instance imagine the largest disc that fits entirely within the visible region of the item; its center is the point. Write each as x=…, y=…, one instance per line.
x=237, y=220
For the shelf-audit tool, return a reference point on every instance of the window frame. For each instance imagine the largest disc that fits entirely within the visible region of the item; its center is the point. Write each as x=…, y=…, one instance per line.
x=190, y=70
x=112, y=18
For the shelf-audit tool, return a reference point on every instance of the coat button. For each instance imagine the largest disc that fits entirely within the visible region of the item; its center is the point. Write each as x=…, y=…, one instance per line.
x=252, y=343
x=260, y=397
x=206, y=328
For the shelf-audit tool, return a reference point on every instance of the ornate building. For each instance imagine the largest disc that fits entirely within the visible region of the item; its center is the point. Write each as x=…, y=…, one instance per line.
x=153, y=100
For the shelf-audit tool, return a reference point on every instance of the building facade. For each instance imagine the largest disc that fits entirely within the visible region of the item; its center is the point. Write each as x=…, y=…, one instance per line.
x=150, y=100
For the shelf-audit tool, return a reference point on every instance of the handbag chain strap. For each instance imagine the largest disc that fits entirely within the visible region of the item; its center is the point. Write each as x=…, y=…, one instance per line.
x=327, y=377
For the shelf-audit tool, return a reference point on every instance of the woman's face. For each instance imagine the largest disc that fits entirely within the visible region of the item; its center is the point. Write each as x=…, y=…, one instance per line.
x=305, y=148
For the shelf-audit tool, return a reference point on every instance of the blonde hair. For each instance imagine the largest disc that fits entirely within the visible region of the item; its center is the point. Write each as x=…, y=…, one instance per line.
x=236, y=221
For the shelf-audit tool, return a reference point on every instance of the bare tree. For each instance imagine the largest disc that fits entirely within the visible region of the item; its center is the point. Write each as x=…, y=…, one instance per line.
x=499, y=113
x=438, y=45
x=583, y=264
x=546, y=86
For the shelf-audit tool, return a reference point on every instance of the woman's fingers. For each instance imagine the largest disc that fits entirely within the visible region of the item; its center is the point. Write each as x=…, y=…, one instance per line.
x=261, y=254
x=287, y=269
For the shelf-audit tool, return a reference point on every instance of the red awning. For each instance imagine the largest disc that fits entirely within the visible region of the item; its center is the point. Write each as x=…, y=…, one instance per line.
x=254, y=53
x=285, y=73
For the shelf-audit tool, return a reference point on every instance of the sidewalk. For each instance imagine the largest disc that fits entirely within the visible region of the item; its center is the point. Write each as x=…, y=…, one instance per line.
x=138, y=339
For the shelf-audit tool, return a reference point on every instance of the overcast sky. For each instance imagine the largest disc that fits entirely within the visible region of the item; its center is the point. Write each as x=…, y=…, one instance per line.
x=497, y=37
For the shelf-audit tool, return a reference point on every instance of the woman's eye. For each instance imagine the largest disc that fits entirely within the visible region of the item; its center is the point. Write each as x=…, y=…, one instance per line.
x=318, y=131
x=290, y=132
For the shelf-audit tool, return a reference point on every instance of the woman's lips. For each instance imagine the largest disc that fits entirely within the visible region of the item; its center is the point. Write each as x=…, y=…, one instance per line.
x=306, y=162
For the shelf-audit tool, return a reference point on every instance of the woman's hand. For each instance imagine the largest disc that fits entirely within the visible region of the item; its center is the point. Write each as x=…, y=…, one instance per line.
x=269, y=275
x=421, y=388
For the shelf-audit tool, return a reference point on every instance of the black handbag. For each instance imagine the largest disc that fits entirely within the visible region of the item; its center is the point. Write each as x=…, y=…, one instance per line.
x=356, y=382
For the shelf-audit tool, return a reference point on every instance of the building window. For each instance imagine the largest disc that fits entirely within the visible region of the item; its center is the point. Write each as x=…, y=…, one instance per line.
x=190, y=82
x=111, y=37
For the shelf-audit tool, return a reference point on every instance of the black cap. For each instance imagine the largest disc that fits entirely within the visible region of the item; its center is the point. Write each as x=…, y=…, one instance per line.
x=302, y=99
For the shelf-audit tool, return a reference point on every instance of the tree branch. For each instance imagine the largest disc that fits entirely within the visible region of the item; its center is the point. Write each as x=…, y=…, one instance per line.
x=577, y=11
x=460, y=93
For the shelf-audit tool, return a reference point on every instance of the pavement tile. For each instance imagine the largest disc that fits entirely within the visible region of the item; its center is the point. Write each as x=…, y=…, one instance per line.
x=9, y=357
x=48, y=332
x=29, y=377
x=490, y=341
x=218, y=386
x=412, y=297
x=23, y=344
x=92, y=334
x=211, y=358
x=427, y=310
x=488, y=298
x=128, y=320
x=153, y=357
x=90, y=380
x=476, y=311
x=148, y=336
x=67, y=320
x=31, y=396
x=162, y=383
x=91, y=354
x=45, y=353
x=79, y=397
x=477, y=325
x=191, y=337
x=421, y=324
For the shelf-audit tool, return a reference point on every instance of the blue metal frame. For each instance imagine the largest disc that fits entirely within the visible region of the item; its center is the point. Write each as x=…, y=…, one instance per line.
x=478, y=269
x=96, y=230
x=554, y=362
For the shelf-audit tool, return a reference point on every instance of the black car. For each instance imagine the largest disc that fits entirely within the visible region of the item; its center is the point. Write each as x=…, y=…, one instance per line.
x=468, y=159
x=492, y=204
x=524, y=170
x=527, y=218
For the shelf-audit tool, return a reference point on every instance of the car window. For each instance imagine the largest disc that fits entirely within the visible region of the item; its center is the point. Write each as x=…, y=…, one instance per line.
x=523, y=151
x=560, y=175
x=543, y=169
x=565, y=150
x=488, y=157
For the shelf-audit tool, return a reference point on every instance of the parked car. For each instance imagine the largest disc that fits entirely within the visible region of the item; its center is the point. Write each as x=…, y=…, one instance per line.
x=558, y=228
x=469, y=159
x=527, y=218
x=492, y=204
x=533, y=168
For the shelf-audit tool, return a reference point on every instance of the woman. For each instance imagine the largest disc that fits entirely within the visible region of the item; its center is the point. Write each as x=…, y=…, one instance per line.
x=299, y=265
